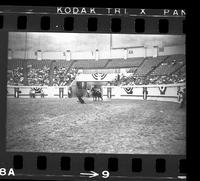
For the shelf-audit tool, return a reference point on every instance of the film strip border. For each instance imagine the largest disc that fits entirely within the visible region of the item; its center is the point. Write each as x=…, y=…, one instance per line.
x=60, y=21
x=115, y=166
x=39, y=165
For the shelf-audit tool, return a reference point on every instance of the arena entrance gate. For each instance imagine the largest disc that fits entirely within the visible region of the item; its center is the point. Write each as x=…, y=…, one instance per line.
x=145, y=92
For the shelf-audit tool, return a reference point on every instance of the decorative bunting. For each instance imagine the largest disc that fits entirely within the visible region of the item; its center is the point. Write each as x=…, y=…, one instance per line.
x=129, y=90
x=37, y=89
x=99, y=76
x=162, y=90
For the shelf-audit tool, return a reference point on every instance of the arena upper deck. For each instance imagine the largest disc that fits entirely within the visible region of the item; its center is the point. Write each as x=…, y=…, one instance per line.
x=161, y=65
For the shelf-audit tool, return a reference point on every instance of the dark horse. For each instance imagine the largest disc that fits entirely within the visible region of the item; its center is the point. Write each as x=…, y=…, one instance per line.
x=96, y=94
x=79, y=95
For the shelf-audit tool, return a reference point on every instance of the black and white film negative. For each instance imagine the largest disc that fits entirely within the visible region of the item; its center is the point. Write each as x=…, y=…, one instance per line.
x=92, y=93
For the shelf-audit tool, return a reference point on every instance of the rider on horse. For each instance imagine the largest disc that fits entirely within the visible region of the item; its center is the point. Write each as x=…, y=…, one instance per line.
x=79, y=95
x=96, y=93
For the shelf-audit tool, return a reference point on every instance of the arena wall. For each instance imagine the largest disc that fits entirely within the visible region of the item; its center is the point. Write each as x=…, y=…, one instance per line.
x=53, y=55
x=96, y=77
x=171, y=50
x=165, y=92
x=114, y=53
x=49, y=91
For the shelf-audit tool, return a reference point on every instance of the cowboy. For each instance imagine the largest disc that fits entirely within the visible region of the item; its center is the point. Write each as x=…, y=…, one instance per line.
x=32, y=93
x=42, y=93
x=70, y=92
x=88, y=92
x=79, y=95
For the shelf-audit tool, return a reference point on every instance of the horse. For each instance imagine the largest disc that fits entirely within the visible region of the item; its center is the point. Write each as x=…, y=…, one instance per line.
x=96, y=94
x=79, y=95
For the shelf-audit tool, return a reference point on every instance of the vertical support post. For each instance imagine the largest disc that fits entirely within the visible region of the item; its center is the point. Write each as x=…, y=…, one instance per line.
x=145, y=93
x=61, y=92
x=16, y=92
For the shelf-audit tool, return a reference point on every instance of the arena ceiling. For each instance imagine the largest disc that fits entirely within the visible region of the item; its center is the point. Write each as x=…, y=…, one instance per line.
x=86, y=42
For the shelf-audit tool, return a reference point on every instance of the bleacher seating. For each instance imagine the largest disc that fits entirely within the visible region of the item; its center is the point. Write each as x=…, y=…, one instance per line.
x=169, y=65
x=180, y=74
x=38, y=76
x=62, y=77
x=62, y=63
x=15, y=76
x=151, y=70
x=14, y=63
x=132, y=70
x=89, y=64
x=38, y=64
x=38, y=72
x=128, y=63
x=149, y=64
x=163, y=70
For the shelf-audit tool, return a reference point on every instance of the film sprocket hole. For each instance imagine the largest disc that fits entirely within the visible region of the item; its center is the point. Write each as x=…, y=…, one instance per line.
x=93, y=92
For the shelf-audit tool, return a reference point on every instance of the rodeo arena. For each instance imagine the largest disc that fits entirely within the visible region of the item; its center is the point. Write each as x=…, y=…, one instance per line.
x=113, y=94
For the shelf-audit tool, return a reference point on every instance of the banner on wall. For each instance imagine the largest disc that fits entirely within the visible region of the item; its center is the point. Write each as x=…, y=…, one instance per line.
x=162, y=90
x=105, y=77
x=37, y=89
x=128, y=90
x=99, y=76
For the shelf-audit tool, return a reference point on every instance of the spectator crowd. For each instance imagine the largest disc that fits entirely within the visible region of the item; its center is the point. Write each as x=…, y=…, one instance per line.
x=63, y=76
x=41, y=76
x=131, y=79
x=15, y=76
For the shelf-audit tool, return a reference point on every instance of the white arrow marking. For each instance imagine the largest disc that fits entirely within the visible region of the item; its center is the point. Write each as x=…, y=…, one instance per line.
x=92, y=174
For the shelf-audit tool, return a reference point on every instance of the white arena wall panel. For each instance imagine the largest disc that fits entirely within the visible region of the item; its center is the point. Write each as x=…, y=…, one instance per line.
x=102, y=54
x=83, y=55
x=89, y=77
x=136, y=52
x=155, y=92
x=53, y=55
x=171, y=50
x=49, y=91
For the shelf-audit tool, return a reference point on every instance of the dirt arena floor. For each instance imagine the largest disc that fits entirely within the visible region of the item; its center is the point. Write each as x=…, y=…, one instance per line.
x=112, y=126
